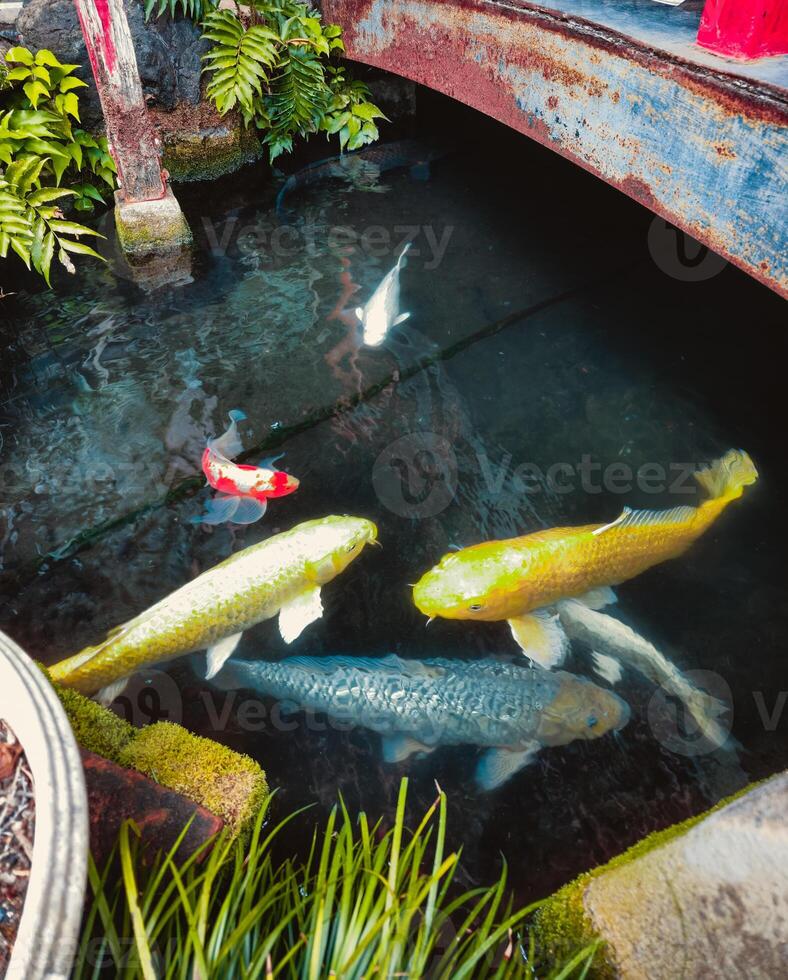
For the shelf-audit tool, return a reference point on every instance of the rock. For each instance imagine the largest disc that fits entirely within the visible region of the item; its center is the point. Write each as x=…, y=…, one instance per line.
x=116, y=794
x=199, y=144
x=707, y=901
x=168, y=51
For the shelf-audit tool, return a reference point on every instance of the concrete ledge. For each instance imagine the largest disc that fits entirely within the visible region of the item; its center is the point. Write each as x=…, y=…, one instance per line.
x=706, y=898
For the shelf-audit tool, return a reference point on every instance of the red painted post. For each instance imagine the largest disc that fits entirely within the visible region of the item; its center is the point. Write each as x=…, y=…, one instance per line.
x=744, y=28
x=132, y=139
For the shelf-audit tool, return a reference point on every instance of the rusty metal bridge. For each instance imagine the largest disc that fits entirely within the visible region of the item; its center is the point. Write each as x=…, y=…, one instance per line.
x=694, y=131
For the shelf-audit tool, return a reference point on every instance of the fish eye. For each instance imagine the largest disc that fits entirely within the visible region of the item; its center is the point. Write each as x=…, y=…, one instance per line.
x=352, y=546
x=592, y=720
x=475, y=606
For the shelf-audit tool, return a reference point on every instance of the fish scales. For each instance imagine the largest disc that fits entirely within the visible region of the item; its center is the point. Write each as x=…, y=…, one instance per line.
x=434, y=700
x=243, y=590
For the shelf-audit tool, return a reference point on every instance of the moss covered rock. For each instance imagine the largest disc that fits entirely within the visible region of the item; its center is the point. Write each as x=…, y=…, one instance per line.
x=229, y=784
x=610, y=904
x=199, y=144
x=223, y=781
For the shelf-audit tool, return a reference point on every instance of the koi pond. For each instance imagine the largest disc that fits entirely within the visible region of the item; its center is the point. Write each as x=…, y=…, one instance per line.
x=562, y=360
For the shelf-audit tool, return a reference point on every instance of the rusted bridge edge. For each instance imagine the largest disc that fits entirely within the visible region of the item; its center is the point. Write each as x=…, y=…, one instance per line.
x=704, y=149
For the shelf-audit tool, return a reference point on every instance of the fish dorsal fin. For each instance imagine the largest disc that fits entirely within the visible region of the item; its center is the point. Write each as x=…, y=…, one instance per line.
x=644, y=518
x=541, y=637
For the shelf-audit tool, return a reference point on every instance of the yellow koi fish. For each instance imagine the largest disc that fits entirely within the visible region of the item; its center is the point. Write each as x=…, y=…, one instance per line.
x=521, y=578
x=279, y=576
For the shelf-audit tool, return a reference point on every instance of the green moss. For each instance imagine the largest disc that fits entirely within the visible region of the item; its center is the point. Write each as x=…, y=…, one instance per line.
x=95, y=728
x=211, y=154
x=225, y=782
x=151, y=228
x=229, y=784
x=562, y=926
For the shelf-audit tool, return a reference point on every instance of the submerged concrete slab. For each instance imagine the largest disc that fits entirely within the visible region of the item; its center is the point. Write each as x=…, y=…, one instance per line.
x=711, y=902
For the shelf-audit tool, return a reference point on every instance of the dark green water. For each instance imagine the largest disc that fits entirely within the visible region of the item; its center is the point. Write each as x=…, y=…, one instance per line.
x=543, y=335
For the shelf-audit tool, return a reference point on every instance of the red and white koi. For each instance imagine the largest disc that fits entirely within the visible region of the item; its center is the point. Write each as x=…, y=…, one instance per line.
x=243, y=491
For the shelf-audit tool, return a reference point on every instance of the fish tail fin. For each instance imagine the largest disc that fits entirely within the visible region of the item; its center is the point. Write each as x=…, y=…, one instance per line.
x=60, y=671
x=707, y=711
x=402, y=255
x=726, y=478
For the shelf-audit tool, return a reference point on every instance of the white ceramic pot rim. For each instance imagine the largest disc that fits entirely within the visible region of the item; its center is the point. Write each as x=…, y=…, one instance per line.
x=48, y=932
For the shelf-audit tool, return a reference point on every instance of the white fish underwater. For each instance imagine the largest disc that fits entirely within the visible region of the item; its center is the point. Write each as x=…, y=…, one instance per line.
x=381, y=311
x=417, y=705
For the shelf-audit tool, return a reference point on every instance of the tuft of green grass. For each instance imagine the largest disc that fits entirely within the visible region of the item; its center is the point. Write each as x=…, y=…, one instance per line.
x=368, y=902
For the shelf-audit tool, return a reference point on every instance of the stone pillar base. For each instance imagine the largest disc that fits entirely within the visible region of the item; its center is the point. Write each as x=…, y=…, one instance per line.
x=151, y=228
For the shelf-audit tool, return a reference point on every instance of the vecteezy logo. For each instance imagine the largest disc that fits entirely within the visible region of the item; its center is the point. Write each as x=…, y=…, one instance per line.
x=695, y=721
x=416, y=476
x=150, y=696
x=680, y=256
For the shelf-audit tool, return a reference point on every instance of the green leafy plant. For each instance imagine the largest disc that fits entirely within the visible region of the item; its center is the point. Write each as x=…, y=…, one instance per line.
x=44, y=159
x=271, y=63
x=190, y=8
x=368, y=902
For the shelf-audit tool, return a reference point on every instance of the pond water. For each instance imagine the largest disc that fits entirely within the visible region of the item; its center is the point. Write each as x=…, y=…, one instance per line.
x=543, y=333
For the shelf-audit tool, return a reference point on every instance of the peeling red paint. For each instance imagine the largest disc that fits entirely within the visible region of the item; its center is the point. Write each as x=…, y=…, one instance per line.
x=132, y=137
x=108, y=44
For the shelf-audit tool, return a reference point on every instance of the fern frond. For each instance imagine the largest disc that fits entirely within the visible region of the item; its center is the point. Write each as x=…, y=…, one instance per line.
x=299, y=95
x=239, y=62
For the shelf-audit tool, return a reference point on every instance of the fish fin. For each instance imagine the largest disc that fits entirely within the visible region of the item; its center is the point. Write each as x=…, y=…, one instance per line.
x=401, y=319
x=218, y=653
x=359, y=311
x=268, y=462
x=642, y=518
x=598, y=598
x=541, y=637
x=402, y=254
x=397, y=748
x=728, y=476
x=607, y=667
x=218, y=510
x=249, y=510
x=412, y=668
x=229, y=444
x=107, y=694
x=298, y=613
x=498, y=765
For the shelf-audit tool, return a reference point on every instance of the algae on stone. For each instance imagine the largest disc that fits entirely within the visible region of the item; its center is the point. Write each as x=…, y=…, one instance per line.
x=231, y=785
x=222, y=780
x=95, y=729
